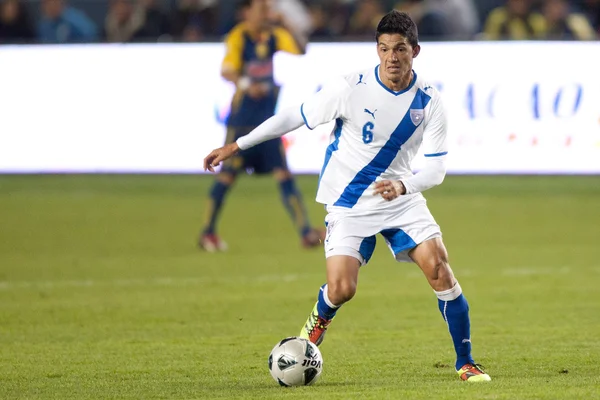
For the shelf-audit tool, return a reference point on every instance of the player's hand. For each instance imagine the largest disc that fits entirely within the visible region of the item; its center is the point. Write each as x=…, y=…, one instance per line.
x=258, y=90
x=389, y=190
x=218, y=155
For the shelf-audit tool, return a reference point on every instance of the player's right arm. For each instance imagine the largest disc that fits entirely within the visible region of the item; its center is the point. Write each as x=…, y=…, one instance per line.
x=231, y=67
x=435, y=148
x=274, y=127
x=324, y=106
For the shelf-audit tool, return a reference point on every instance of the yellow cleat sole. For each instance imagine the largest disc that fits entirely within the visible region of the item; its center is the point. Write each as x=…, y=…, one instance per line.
x=479, y=378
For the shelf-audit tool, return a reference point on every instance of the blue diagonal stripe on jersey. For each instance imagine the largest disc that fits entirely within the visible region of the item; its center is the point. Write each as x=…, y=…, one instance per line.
x=386, y=155
x=332, y=147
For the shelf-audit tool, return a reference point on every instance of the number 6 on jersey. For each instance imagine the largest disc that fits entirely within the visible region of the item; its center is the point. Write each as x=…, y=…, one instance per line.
x=368, y=132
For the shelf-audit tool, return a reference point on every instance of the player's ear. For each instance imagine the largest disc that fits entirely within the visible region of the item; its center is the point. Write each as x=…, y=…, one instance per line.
x=416, y=51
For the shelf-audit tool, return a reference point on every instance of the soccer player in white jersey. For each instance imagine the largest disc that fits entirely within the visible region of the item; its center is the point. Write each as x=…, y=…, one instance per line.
x=383, y=116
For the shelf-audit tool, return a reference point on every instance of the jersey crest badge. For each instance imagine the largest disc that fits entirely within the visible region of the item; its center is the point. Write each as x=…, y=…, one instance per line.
x=416, y=116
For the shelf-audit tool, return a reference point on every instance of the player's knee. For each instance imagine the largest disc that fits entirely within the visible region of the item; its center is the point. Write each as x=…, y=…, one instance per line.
x=282, y=174
x=226, y=178
x=341, y=291
x=441, y=276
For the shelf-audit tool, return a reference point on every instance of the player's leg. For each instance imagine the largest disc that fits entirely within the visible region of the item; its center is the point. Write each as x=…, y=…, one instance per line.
x=209, y=240
x=342, y=279
x=294, y=205
x=345, y=253
x=431, y=256
x=274, y=160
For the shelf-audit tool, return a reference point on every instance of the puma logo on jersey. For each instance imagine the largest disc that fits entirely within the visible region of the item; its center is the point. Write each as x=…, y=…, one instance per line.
x=372, y=114
x=360, y=78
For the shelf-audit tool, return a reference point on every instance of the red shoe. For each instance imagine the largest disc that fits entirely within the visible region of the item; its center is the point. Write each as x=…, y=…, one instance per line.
x=315, y=327
x=211, y=243
x=313, y=238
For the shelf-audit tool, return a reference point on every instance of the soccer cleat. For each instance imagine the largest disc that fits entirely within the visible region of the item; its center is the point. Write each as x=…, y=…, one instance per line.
x=473, y=373
x=211, y=243
x=313, y=238
x=315, y=327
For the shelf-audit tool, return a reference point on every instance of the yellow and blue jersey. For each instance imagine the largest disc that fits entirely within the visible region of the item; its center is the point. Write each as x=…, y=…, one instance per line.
x=253, y=57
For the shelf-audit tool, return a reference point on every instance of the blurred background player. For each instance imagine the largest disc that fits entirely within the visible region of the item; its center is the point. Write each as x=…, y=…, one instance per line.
x=516, y=20
x=562, y=23
x=248, y=63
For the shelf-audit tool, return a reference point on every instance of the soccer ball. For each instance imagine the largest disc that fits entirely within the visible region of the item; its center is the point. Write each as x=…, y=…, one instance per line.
x=295, y=362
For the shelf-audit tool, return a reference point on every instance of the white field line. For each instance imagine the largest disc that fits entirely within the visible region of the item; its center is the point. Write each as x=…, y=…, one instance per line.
x=512, y=271
x=536, y=271
x=191, y=281
x=173, y=282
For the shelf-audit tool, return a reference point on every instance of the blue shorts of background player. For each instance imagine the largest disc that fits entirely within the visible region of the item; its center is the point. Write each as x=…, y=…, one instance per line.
x=266, y=158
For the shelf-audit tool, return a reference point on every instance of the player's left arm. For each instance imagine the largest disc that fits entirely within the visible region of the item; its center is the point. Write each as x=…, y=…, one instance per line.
x=435, y=148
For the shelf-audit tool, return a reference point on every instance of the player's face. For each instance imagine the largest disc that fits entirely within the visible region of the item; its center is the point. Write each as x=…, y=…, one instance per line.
x=396, y=56
x=258, y=12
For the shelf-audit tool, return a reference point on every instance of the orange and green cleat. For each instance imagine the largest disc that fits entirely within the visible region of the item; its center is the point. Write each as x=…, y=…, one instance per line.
x=315, y=327
x=473, y=373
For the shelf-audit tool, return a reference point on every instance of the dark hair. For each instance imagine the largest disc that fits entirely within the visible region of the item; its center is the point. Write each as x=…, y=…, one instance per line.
x=398, y=22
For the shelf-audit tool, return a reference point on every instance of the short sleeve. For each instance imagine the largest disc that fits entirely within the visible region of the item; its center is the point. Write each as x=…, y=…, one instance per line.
x=286, y=42
x=435, y=142
x=233, y=51
x=325, y=105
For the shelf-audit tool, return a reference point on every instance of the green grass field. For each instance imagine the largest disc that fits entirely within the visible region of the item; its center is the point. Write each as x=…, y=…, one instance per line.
x=104, y=295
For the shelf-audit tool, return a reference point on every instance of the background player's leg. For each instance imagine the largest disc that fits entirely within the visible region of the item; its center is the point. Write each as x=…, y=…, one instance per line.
x=292, y=200
x=209, y=239
x=431, y=256
x=293, y=203
x=272, y=159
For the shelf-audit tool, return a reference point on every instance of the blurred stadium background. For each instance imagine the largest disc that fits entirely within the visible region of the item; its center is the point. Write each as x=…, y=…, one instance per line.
x=106, y=111
x=348, y=20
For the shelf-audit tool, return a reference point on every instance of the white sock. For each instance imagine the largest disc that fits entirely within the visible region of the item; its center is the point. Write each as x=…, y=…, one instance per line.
x=450, y=294
x=326, y=298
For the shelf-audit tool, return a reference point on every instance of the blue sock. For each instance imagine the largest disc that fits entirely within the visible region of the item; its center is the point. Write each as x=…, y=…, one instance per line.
x=215, y=202
x=292, y=200
x=325, y=308
x=455, y=310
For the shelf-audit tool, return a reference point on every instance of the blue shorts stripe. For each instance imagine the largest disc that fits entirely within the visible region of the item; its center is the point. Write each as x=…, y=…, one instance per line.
x=399, y=240
x=367, y=247
x=405, y=129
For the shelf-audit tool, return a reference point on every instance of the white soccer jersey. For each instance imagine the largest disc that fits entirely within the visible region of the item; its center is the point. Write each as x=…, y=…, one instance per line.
x=376, y=135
